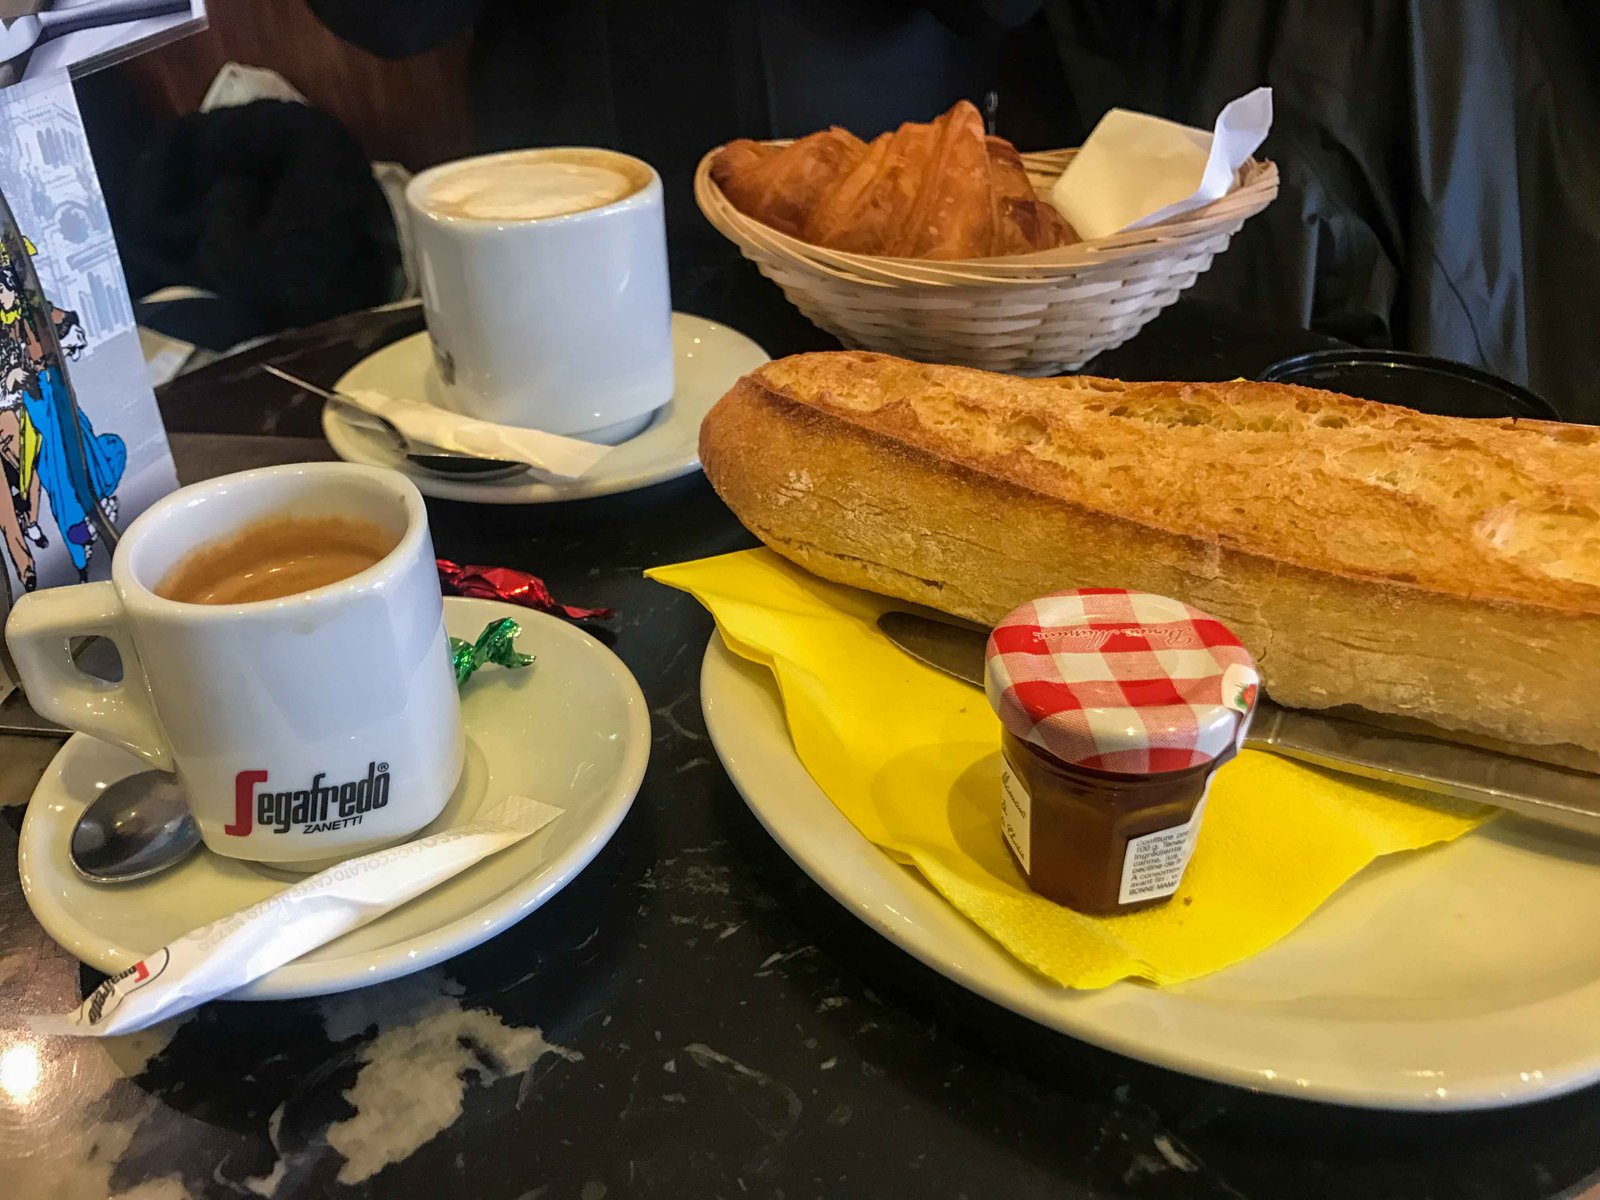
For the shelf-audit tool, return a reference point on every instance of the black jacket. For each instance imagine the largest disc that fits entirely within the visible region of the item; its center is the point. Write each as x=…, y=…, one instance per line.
x=1439, y=158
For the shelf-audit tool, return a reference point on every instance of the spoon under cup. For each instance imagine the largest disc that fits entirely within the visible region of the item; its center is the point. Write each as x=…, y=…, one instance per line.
x=136, y=827
x=448, y=463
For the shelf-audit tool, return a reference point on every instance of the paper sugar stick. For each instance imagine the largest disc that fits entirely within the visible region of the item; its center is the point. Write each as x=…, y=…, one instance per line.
x=226, y=954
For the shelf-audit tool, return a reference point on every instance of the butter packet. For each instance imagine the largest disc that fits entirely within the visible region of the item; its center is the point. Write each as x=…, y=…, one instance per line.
x=1136, y=170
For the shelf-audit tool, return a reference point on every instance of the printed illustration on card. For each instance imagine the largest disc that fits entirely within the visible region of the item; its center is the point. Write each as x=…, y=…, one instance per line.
x=46, y=514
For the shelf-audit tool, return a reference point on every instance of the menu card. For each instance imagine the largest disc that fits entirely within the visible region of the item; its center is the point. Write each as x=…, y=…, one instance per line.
x=48, y=178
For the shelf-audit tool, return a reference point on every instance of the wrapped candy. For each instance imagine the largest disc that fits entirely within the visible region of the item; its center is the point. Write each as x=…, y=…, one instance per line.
x=510, y=585
x=496, y=644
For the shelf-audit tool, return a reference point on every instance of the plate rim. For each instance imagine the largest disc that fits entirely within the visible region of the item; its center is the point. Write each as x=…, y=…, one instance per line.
x=298, y=978
x=1062, y=1010
x=349, y=446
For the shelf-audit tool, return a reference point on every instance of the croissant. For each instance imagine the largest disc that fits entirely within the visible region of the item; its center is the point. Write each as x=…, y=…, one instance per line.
x=784, y=184
x=1023, y=222
x=939, y=191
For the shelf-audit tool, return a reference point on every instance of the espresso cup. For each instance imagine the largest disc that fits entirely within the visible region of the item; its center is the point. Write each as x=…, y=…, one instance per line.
x=544, y=287
x=303, y=729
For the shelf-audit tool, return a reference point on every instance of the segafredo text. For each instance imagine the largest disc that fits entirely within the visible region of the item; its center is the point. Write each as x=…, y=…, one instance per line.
x=316, y=809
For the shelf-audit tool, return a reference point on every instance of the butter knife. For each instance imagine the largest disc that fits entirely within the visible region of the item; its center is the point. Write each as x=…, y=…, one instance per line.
x=1542, y=792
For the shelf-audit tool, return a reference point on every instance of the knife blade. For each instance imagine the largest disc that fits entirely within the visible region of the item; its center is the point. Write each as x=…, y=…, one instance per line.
x=1543, y=792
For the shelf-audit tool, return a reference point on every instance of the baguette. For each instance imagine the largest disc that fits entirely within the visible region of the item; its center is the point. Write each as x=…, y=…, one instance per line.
x=1433, y=569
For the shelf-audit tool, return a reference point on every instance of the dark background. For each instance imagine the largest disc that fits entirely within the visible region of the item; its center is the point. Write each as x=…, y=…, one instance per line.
x=1440, y=164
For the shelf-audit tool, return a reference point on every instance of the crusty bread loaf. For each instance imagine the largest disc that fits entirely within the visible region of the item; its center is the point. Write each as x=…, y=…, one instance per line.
x=1432, y=568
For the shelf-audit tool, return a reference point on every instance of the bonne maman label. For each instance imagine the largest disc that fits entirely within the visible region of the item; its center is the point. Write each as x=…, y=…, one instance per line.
x=321, y=807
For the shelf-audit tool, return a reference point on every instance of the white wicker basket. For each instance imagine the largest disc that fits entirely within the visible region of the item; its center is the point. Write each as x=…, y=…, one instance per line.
x=1033, y=314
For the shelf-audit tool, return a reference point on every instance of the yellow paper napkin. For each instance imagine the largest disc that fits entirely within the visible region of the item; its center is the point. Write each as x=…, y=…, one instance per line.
x=911, y=757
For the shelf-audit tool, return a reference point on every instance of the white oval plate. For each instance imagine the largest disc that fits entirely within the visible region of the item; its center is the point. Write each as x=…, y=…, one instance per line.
x=1462, y=977
x=709, y=359
x=572, y=730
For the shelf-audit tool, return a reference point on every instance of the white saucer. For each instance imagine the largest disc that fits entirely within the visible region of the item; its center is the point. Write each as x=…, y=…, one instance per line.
x=1461, y=977
x=709, y=359
x=572, y=730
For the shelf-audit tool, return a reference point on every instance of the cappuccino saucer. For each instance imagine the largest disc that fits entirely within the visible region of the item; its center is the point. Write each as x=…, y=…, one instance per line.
x=708, y=359
x=572, y=730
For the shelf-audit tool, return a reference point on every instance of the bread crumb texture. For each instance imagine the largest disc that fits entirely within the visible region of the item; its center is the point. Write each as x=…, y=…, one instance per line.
x=1495, y=509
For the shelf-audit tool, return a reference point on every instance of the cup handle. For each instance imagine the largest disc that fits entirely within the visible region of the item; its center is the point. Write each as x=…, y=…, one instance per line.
x=121, y=713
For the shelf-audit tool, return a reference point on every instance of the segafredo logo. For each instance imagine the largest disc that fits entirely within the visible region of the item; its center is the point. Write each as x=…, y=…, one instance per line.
x=110, y=994
x=320, y=808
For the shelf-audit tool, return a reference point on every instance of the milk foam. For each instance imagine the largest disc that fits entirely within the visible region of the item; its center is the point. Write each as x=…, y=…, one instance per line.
x=526, y=189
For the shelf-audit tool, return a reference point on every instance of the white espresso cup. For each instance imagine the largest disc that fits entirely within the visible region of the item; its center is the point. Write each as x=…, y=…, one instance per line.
x=544, y=286
x=303, y=729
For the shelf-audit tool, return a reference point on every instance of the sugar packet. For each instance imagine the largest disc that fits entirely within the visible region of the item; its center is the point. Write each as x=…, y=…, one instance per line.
x=226, y=954
x=549, y=454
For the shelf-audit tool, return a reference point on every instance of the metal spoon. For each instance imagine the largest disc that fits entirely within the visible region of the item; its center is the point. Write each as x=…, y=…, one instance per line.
x=447, y=463
x=137, y=826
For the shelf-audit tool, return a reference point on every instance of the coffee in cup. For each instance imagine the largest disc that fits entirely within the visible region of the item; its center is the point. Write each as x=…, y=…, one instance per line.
x=532, y=185
x=283, y=652
x=544, y=287
x=275, y=558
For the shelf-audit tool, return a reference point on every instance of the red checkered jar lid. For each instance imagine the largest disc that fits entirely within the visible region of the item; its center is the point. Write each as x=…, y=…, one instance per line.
x=1120, y=681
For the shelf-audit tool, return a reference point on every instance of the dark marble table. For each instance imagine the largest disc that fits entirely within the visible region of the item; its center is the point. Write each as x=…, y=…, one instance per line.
x=692, y=1017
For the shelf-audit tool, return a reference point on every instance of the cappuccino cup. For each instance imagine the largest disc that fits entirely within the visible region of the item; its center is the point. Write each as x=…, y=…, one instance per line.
x=544, y=287
x=283, y=652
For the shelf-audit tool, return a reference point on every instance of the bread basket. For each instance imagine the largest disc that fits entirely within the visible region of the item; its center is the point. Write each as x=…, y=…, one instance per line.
x=1033, y=314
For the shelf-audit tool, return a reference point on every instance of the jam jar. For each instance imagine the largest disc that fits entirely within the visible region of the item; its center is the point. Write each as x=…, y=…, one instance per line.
x=1116, y=707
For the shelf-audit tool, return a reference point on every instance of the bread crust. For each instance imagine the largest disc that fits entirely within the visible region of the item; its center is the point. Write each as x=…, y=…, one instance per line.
x=964, y=491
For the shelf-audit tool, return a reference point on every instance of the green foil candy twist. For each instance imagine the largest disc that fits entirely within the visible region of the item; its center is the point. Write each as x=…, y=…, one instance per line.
x=496, y=644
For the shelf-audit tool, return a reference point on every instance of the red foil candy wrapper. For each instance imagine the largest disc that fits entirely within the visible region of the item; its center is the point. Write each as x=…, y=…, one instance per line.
x=510, y=585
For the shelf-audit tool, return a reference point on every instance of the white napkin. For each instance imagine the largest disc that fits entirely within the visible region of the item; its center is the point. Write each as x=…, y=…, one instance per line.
x=547, y=453
x=1137, y=170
